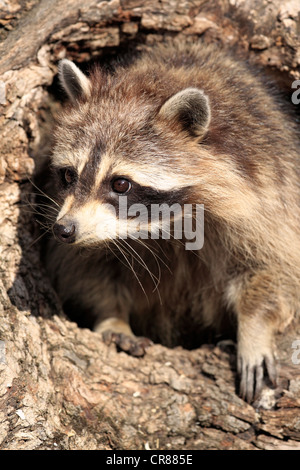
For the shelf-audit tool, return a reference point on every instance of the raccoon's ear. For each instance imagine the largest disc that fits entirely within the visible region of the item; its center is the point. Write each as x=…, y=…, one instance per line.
x=190, y=107
x=75, y=83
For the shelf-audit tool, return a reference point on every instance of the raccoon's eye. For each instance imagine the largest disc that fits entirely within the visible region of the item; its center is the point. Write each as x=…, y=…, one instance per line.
x=121, y=185
x=68, y=176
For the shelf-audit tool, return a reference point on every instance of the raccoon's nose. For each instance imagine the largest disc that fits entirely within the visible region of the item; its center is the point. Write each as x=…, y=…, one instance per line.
x=65, y=233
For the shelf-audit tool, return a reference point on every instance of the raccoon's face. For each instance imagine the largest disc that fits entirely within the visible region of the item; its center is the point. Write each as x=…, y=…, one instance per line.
x=116, y=157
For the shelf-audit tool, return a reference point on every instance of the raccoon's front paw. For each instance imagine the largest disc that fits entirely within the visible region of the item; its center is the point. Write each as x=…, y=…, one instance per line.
x=252, y=371
x=116, y=330
x=133, y=345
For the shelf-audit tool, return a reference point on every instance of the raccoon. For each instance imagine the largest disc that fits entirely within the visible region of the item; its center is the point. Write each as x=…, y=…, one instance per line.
x=186, y=125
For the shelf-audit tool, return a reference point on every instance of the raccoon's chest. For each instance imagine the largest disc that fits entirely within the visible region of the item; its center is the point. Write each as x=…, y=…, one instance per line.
x=178, y=306
x=171, y=283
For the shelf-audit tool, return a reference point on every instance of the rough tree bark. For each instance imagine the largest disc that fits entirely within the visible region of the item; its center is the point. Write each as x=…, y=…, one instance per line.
x=61, y=387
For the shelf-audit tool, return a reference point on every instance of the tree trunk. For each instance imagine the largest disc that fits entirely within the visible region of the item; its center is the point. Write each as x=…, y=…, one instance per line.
x=61, y=387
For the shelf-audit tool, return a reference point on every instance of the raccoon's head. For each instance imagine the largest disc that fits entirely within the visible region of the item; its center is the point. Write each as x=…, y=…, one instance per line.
x=124, y=144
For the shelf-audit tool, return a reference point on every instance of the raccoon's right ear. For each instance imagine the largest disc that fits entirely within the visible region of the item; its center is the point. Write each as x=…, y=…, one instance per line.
x=75, y=83
x=191, y=109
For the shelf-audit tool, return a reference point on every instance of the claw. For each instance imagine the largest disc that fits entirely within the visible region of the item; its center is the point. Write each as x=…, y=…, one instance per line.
x=133, y=345
x=271, y=369
x=259, y=382
x=252, y=377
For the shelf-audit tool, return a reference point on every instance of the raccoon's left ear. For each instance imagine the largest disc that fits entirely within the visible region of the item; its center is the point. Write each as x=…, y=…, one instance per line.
x=189, y=107
x=75, y=83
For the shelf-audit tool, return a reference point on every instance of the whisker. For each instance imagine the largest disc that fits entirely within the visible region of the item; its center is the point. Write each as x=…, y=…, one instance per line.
x=43, y=214
x=140, y=260
x=132, y=269
x=114, y=254
x=155, y=252
x=44, y=225
x=42, y=192
x=155, y=279
x=37, y=204
x=158, y=279
x=37, y=239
